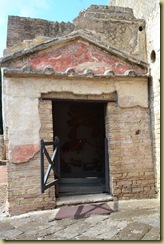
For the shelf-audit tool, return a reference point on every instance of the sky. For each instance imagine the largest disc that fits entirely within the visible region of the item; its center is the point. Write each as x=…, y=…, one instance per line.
x=54, y=10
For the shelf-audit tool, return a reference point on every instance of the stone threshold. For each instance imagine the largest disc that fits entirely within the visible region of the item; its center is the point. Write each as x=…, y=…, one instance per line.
x=83, y=199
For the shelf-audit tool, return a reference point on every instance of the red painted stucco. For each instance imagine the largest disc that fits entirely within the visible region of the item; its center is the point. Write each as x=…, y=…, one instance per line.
x=78, y=55
x=23, y=153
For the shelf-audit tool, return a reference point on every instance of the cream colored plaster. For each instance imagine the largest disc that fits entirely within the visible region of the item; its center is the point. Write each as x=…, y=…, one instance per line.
x=21, y=96
x=26, y=44
x=33, y=87
x=131, y=94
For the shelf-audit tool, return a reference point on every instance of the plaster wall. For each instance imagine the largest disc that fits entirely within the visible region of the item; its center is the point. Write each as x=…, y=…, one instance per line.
x=124, y=118
x=18, y=109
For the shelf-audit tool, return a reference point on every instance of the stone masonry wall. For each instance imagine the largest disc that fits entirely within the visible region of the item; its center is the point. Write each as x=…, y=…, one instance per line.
x=150, y=11
x=114, y=26
x=20, y=29
x=130, y=152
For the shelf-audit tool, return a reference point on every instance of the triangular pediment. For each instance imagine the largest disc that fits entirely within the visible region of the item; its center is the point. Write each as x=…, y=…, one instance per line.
x=79, y=51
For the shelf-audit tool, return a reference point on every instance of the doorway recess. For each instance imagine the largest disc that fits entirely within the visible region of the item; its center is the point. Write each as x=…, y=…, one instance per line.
x=80, y=128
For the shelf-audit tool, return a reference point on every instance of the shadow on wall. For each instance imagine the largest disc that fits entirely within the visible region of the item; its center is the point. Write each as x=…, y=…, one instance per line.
x=1, y=123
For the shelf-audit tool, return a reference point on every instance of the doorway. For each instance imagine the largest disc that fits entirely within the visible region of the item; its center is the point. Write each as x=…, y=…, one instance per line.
x=80, y=127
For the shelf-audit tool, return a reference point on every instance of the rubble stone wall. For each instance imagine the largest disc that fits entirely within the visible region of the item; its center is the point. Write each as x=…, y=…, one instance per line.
x=21, y=28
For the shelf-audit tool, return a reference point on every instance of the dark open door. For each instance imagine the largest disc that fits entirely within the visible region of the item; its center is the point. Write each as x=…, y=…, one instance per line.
x=53, y=164
x=81, y=128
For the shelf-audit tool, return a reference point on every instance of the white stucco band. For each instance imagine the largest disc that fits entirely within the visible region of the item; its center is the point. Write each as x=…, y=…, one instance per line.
x=21, y=98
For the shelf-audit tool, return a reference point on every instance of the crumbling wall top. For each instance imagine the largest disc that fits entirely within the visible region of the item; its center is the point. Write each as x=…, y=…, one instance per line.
x=22, y=28
x=115, y=27
x=106, y=12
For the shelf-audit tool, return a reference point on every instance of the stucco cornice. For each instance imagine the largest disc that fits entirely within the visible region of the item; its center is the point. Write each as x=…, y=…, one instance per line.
x=70, y=74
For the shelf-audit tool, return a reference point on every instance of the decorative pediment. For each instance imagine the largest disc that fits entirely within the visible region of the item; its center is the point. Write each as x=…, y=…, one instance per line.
x=79, y=52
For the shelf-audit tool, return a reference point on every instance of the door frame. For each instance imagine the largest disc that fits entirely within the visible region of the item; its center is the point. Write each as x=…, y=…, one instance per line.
x=106, y=158
x=113, y=99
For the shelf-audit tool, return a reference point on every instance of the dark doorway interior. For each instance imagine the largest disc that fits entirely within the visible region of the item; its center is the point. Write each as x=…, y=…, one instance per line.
x=81, y=129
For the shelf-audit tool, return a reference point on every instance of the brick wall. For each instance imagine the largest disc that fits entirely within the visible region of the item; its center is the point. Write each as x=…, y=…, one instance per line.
x=150, y=11
x=46, y=133
x=130, y=157
x=1, y=147
x=24, y=195
x=45, y=113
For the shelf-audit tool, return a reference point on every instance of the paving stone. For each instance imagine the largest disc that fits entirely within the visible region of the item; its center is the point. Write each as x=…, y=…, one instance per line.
x=33, y=228
x=10, y=234
x=4, y=226
x=72, y=231
x=50, y=230
x=2, y=236
x=133, y=231
x=108, y=234
x=30, y=226
x=20, y=222
x=93, y=220
x=105, y=230
x=152, y=234
x=151, y=219
x=24, y=237
x=49, y=237
x=67, y=221
x=56, y=238
x=86, y=238
x=121, y=225
x=42, y=218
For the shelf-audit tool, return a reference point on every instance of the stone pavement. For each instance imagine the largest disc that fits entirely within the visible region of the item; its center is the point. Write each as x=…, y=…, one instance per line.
x=134, y=220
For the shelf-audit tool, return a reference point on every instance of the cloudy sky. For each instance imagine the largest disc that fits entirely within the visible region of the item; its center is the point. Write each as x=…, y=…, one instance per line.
x=55, y=10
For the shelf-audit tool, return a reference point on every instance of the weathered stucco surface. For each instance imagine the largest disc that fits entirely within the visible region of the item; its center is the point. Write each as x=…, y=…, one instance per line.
x=78, y=52
x=105, y=61
x=132, y=93
x=113, y=26
x=22, y=114
x=116, y=26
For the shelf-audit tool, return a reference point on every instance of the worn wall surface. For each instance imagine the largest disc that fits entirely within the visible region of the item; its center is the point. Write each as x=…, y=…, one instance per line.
x=128, y=127
x=79, y=55
x=24, y=195
x=1, y=148
x=17, y=110
x=96, y=63
x=130, y=152
x=150, y=12
x=114, y=26
x=20, y=29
